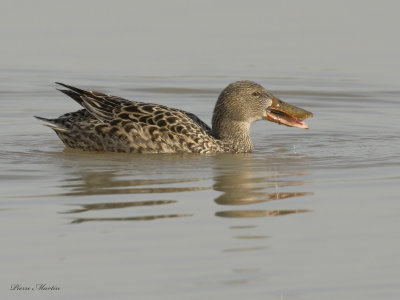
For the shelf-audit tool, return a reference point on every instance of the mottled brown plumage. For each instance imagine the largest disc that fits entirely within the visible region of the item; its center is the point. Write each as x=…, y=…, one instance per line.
x=114, y=124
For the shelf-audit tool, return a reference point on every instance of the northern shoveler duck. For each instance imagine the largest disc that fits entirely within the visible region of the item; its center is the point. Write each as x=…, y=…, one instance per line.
x=113, y=124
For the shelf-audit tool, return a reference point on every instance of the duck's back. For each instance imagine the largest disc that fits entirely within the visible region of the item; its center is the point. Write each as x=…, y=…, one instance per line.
x=114, y=124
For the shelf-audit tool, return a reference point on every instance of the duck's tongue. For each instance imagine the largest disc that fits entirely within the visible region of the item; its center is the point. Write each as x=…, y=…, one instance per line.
x=285, y=114
x=284, y=119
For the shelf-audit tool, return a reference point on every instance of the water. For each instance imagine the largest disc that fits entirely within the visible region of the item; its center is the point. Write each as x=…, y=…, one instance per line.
x=311, y=214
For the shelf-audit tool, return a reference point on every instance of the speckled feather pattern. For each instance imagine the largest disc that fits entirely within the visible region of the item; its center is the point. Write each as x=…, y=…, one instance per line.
x=113, y=124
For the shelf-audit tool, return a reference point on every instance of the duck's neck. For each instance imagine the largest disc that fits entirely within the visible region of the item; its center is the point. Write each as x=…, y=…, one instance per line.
x=235, y=134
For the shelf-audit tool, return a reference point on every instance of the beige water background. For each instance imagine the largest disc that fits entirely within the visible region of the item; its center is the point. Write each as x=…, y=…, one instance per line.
x=309, y=215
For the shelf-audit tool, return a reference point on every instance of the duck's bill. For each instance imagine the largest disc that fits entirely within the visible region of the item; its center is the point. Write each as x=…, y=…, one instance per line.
x=285, y=114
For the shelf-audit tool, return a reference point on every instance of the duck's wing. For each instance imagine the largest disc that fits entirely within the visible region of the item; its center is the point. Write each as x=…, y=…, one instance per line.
x=102, y=106
x=108, y=108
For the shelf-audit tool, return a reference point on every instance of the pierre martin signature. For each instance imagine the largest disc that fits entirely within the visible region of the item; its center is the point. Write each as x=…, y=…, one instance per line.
x=34, y=287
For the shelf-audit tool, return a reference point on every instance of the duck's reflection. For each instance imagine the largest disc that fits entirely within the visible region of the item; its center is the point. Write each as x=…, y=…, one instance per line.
x=242, y=185
x=114, y=205
x=139, y=218
x=240, y=180
x=109, y=183
x=253, y=181
x=121, y=205
x=258, y=213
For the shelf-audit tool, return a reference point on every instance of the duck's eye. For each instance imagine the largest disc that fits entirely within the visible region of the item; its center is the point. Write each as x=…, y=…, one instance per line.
x=256, y=94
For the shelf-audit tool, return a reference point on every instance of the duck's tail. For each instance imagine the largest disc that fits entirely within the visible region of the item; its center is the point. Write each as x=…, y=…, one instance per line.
x=53, y=124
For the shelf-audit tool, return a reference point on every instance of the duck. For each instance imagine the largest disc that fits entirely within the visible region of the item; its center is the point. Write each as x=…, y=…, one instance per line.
x=108, y=123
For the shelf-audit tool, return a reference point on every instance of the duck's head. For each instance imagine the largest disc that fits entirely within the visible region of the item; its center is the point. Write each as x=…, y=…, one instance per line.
x=244, y=102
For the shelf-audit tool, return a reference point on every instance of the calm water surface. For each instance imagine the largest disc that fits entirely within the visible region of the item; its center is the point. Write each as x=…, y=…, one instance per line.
x=309, y=215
